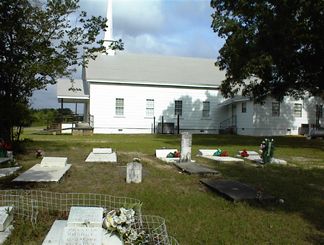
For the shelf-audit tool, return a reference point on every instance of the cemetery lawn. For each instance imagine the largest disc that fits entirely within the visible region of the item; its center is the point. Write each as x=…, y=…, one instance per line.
x=194, y=214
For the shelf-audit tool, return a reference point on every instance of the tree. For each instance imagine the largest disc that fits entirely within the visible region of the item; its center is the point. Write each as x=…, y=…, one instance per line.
x=40, y=42
x=272, y=48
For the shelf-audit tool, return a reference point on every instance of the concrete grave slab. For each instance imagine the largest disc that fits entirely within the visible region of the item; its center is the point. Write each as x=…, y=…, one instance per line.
x=4, y=159
x=278, y=161
x=55, y=234
x=254, y=158
x=194, y=168
x=5, y=234
x=85, y=217
x=37, y=173
x=54, y=162
x=102, y=157
x=82, y=236
x=251, y=153
x=206, y=152
x=234, y=190
x=258, y=159
x=224, y=159
x=162, y=153
x=6, y=217
x=8, y=171
x=102, y=150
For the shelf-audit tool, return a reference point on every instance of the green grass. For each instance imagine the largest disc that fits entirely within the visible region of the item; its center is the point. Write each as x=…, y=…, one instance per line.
x=193, y=213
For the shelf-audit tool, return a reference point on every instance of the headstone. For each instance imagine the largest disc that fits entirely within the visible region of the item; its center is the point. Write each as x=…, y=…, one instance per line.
x=6, y=217
x=10, y=155
x=85, y=217
x=82, y=236
x=134, y=172
x=186, y=142
x=102, y=151
x=54, y=162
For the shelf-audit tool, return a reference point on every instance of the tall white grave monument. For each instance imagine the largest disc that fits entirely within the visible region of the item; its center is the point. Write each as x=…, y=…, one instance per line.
x=186, y=142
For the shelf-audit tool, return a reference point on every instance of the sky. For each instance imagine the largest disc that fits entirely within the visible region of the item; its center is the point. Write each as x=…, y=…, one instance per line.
x=165, y=27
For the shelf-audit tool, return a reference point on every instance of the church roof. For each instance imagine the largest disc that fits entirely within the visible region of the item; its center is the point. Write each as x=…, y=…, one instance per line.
x=154, y=70
x=77, y=90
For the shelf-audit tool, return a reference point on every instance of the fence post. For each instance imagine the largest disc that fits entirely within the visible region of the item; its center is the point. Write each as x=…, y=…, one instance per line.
x=178, y=124
x=162, y=124
x=154, y=125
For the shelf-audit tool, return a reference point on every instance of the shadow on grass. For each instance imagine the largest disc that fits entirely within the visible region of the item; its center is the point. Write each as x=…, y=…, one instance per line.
x=301, y=189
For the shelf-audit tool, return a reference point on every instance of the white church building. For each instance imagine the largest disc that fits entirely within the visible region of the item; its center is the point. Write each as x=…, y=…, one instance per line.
x=138, y=93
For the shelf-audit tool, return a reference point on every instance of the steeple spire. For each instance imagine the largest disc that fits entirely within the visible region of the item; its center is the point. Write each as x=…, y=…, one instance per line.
x=108, y=38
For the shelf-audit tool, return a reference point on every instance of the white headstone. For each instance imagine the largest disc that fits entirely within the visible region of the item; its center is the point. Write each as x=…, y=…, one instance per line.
x=54, y=162
x=186, y=142
x=85, y=217
x=102, y=151
x=6, y=217
x=10, y=155
x=82, y=236
x=134, y=172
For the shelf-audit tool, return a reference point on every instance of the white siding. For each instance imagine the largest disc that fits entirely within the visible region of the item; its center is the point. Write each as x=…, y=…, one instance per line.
x=244, y=120
x=102, y=107
x=285, y=124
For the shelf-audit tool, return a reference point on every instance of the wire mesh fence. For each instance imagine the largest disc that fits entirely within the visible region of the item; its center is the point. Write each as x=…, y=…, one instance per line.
x=32, y=203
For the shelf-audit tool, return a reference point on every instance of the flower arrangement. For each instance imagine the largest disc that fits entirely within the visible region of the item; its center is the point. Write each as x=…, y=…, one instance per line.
x=220, y=153
x=266, y=150
x=173, y=154
x=122, y=222
x=244, y=153
x=39, y=153
x=4, y=147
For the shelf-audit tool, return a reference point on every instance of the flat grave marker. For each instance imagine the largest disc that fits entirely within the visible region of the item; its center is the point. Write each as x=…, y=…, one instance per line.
x=37, y=173
x=234, y=190
x=194, y=168
x=82, y=236
x=102, y=150
x=102, y=155
x=85, y=216
x=59, y=162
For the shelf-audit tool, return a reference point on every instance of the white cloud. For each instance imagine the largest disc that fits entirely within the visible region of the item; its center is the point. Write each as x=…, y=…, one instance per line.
x=137, y=17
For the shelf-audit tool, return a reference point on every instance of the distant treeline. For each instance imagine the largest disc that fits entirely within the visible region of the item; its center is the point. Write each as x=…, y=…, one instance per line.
x=42, y=117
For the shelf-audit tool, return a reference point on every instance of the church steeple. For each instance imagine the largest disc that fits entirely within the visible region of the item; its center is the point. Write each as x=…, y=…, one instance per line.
x=108, y=38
